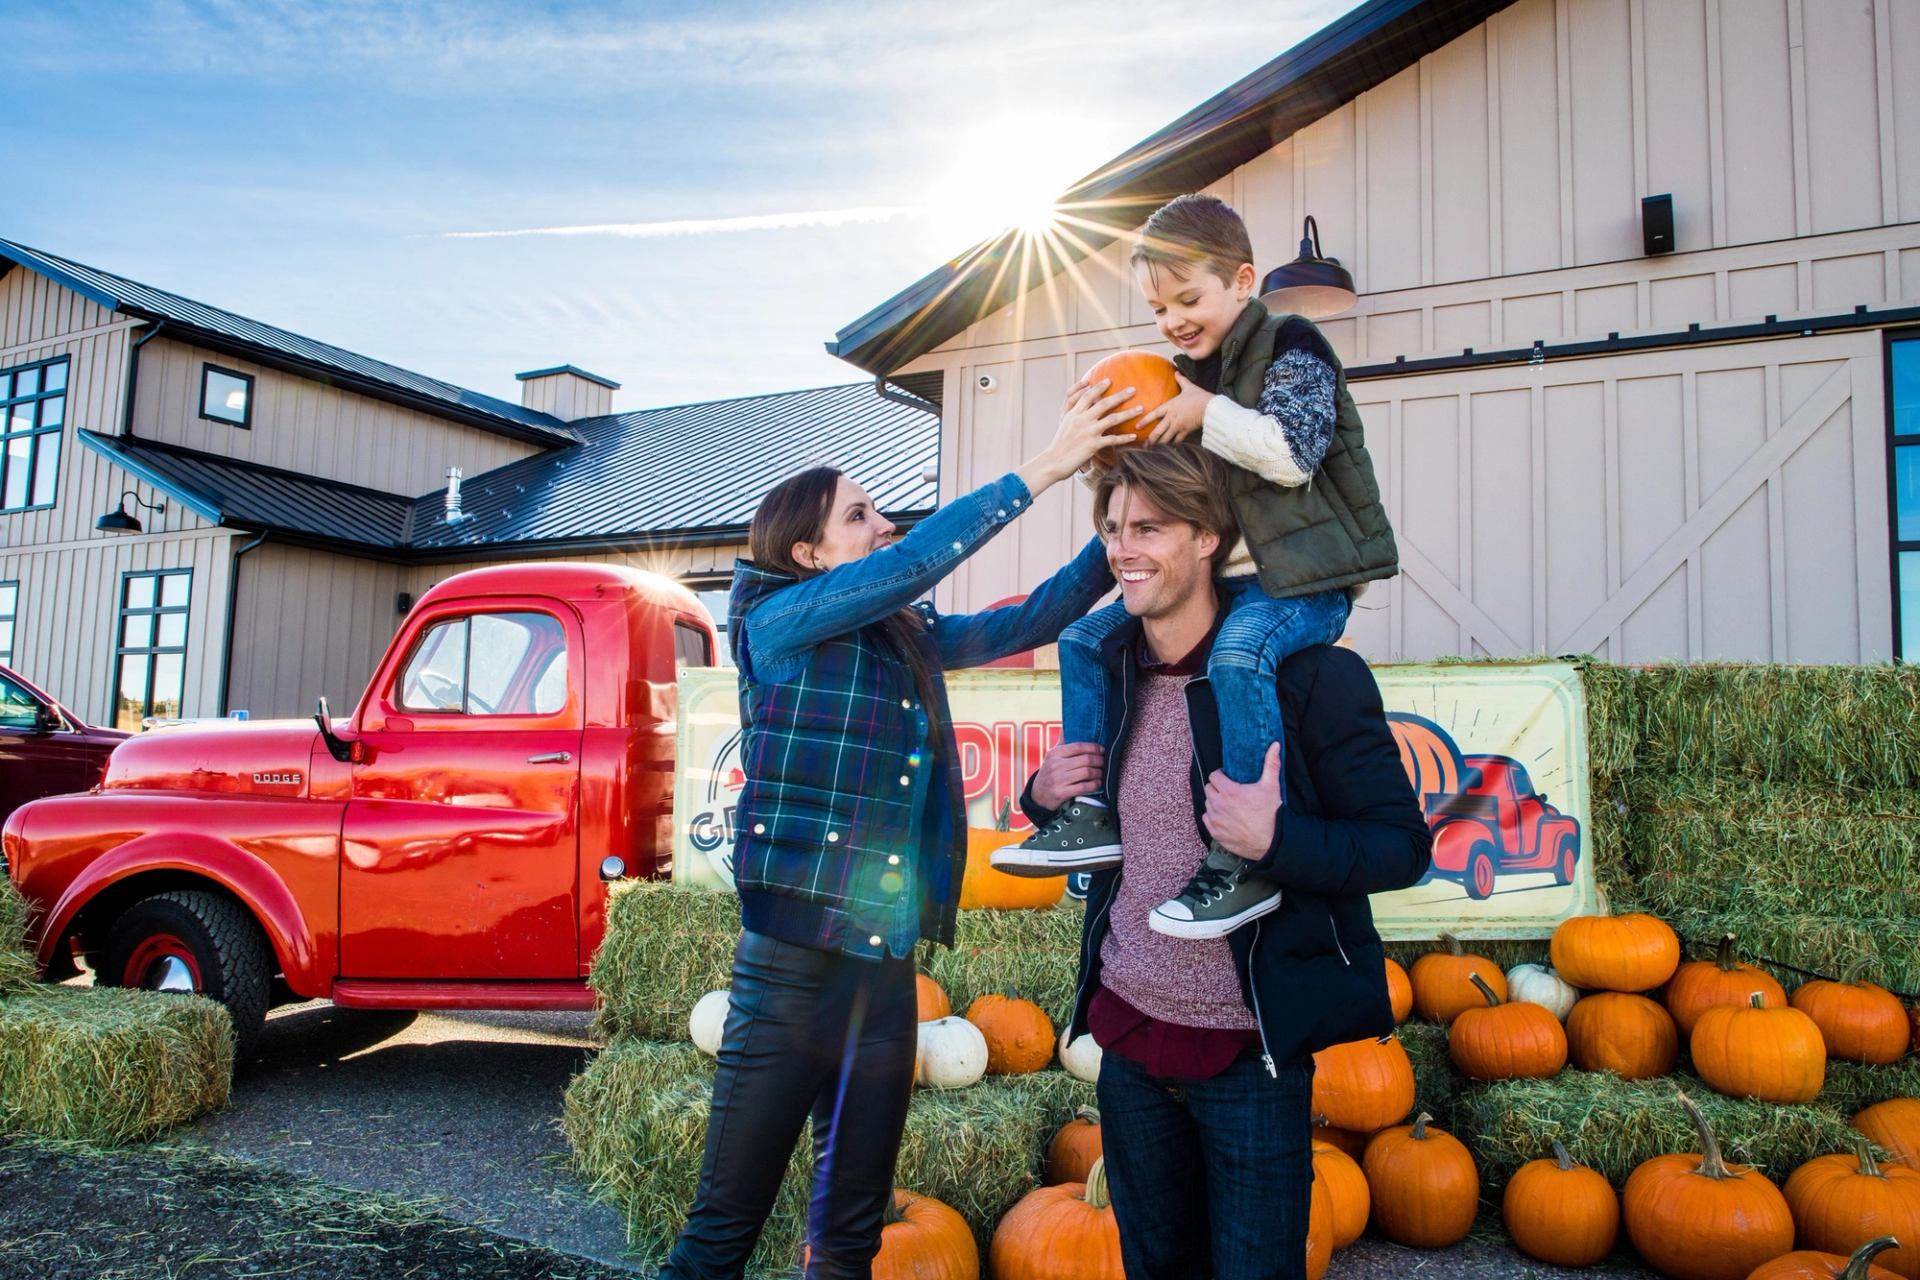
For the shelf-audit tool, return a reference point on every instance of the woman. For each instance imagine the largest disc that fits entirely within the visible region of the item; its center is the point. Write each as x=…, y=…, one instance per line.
x=852, y=832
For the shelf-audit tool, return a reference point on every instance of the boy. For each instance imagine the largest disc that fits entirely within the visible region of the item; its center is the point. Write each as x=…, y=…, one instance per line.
x=1268, y=395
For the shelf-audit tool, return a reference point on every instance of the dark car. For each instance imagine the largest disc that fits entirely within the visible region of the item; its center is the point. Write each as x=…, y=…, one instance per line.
x=45, y=749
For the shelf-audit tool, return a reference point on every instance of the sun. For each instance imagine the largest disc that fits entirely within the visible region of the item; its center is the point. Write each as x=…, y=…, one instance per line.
x=1004, y=176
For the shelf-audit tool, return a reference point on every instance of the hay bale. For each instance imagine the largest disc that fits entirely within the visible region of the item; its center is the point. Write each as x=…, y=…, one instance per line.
x=1852, y=1086
x=637, y=1121
x=107, y=1065
x=1437, y=1084
x=17, y=968
x=666, y=946
x=1614, y=1124
x=1503, y=952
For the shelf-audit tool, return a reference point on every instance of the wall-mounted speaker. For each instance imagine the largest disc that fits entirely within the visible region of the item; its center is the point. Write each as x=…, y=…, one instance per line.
x=1656, y=223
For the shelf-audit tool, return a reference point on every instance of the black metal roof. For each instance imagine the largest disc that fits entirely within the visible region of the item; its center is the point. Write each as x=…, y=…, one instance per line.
x=218, y=330
x=1333, y=66
x=687, y=475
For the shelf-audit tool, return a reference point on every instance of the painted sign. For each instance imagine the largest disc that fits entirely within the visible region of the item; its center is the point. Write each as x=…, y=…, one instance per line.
x=1495, y=753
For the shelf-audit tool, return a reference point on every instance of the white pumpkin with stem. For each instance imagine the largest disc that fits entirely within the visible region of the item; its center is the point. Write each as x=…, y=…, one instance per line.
x=1081, y=1058
x=952, y=1054
x=1538, y=984
x=708, y=1022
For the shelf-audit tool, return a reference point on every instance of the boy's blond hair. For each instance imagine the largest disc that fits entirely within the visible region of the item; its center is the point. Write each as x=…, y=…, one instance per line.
x=1194, y=231
x=1184, y=481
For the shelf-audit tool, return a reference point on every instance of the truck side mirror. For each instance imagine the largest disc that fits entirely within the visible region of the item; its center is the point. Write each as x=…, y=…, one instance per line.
x=45, y=718
x=337, y=747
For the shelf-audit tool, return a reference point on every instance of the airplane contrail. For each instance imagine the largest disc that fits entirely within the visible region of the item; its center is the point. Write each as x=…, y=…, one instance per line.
x=699, y=226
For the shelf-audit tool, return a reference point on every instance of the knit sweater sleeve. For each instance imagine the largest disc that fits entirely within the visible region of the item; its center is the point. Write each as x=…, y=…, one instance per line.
x=1287, y=435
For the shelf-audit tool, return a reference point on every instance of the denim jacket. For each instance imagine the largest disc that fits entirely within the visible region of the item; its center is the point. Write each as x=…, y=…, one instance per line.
x=844, y=826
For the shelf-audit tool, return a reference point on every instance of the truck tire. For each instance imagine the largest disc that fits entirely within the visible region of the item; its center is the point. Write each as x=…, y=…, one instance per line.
x=192, y=941
x=1566, y=856
x=1480, y=871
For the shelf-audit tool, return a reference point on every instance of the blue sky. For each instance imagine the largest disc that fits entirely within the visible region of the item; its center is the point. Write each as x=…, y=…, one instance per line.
x=309, y=164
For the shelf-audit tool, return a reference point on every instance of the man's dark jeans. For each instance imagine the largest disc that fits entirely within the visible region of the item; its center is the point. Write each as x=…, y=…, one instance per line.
x=1210, y=1178
x=808, y=1032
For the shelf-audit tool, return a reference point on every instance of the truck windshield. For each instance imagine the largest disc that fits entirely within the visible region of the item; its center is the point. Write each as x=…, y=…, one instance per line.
x=488, y=664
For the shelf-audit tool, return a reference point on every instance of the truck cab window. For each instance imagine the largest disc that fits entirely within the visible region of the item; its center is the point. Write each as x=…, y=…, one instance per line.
x=489, y=664
x=690, y=646
x=18, y=708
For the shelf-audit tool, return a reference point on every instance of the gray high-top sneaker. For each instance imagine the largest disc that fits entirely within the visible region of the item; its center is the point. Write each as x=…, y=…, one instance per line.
x=1223, y=895
x=1081, y=837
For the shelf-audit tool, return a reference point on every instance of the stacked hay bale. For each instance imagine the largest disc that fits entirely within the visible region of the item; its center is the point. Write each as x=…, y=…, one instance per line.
x=637, y=1116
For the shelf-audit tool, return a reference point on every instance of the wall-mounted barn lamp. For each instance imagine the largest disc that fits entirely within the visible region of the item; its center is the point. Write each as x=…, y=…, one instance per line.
x=1312, y=285
x=120, y=520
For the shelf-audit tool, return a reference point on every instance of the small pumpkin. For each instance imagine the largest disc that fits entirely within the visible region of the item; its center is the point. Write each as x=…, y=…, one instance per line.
x=1561, y=1212
x=708, y=1022
x=1319, y=1231
x=1080, y=1057
x=1399, y=991
x=1364, y=1084
x=1775, y=1055
x=1347, y=1195
x=1841, y=1201
x=1809, y=1264
x=1441, y=986
x=1151, y=376
x=1538, y=984
x=983, y=888
x=1351, y=1141
x=1615, y=953
x=932, y=998
x=1859, y=1021
x=952, y=1054
x=1506, y=1040
x=1628, y=1035
x=921, y=1239
x=1074, y=1148
x=1424, y=1185
x=1894, y=1125
x=1019, y=1033
x=1696, y=1217
x=1700, y=985
x=1064, y=1232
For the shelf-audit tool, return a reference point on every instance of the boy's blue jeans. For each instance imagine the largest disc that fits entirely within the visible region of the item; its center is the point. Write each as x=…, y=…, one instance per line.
x=1258, y=634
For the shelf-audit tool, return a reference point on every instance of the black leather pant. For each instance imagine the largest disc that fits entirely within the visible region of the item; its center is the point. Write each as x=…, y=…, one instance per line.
x=808, y=1033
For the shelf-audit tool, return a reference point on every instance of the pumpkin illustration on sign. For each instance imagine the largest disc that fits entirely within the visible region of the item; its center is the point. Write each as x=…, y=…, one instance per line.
x=1152, y=378
x=983, y=887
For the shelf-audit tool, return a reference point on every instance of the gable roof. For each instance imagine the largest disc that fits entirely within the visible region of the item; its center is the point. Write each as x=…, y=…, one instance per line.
x=218, y=330
x=1336, y=64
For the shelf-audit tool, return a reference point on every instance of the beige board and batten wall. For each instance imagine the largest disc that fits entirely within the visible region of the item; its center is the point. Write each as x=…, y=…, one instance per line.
x=1489, y=197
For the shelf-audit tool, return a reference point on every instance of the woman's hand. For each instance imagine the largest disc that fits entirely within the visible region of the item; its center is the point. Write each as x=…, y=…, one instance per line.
x=1089, y=425
x=1070, y=770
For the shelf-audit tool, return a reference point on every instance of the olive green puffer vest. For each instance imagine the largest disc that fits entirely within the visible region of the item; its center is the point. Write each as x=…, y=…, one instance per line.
x=1330, y=532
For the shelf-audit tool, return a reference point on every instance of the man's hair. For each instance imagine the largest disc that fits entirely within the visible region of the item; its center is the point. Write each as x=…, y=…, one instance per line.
x=1193, y=231
x=1184, y=481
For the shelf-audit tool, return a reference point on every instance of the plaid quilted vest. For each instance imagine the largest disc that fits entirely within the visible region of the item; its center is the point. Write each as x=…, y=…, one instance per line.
x=836, y=760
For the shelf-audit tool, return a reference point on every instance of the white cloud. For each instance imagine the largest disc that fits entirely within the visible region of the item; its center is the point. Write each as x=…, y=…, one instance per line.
x=697, y=226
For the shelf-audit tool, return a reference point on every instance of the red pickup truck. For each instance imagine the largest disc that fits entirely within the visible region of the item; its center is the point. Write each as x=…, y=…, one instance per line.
x=448, y=846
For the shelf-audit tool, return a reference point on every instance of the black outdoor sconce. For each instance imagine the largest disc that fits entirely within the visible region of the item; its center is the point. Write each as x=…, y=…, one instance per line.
x=1312, y=285
x=120, y=520
x=1656, y=224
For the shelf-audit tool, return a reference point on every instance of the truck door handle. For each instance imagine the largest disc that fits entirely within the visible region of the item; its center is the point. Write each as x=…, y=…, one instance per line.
x=552, y=757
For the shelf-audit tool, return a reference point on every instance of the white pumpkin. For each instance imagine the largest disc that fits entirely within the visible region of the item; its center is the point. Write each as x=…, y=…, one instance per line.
x=952, y=1054
x=1537, y=984
x=1081, y=1058
x=708, y=1021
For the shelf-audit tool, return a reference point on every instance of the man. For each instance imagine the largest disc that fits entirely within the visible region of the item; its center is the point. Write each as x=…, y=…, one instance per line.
x=1207, y=1074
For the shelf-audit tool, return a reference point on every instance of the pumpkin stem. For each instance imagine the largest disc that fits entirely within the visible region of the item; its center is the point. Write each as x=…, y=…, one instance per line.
x=1420, y=1127
x=1724, y=957
x=891, y=1214
x=1453, y=944
x=1096, y=1193
x=1005, y=821
x=1090, y=1114
x=1561, y=1157
x=1757, y=1000
x=1711, y=1162
x=1869, y=1167
x=1493, y=1001
x=1864, y=1255
x=1857, y=970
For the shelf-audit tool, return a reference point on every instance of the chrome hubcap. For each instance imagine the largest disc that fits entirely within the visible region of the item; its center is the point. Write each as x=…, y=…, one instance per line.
x=170, y=974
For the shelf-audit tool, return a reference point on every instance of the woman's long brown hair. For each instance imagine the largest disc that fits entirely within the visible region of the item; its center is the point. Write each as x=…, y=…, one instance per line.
x=797, y=510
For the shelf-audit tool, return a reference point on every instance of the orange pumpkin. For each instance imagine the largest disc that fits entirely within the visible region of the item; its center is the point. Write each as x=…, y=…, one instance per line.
x=1074, y=1148
x=1696, y=1217
x=1841, y=1201
x=1506, y=1041
x=1895, y=1126
x=1363, y=1085
x=1442, y=985
x=1346, y=1187
x=1808, y=1264
x=1859, y=1021
x=1059, y=1233
x=1913, y=1017
x=1018, y=1032
x=1351, y=1141
x=1319, y=1231
x=1399, y=991
x=931, y=997
x=1152, y=377
x=1561, y=1212
x=1699, y=985
x=1628, y=1035
x=1615, y=953
x=981, y=887
x=1423, y=1183
x=922, y=1239
x=1775, y=1055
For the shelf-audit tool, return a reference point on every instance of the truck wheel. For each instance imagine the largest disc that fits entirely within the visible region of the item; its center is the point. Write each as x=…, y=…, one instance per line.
x=1480, y=871
x=195, y=942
